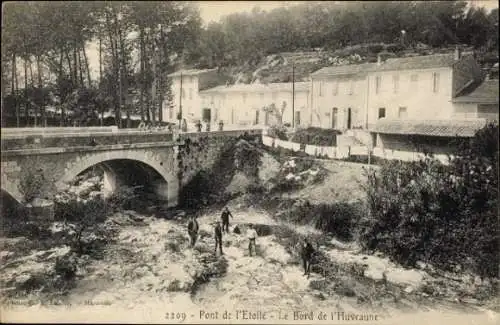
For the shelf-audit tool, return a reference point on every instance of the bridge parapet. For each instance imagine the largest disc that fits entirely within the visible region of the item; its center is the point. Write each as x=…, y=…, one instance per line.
x=82, y=137
x=65, y=140
x=56, y=130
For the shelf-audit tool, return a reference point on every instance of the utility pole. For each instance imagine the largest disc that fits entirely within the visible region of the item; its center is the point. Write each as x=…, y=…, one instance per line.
x=180, y=105
x=293, y=95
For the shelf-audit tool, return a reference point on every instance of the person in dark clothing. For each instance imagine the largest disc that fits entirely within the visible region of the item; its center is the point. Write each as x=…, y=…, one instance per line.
x=218, y=237
x=307, y=254
x=225, y=219
x=193, y=230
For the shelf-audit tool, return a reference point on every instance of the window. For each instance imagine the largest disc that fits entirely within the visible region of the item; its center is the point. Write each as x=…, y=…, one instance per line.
x=244, y=98
x=414, y=78
x=395, y=80
x=212, y=99
x=320, y=88
x=381, y=112
x=261, y=96
x=402, y=113
x=334, y=117
x=435, y=82
x=350, y=88
x=335, y=88
x=190, y=93
x=378, y=80
x=183, y=93
x=274, y=96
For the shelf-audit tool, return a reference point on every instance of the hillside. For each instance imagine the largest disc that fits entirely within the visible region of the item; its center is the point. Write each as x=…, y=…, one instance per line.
x=279, y=67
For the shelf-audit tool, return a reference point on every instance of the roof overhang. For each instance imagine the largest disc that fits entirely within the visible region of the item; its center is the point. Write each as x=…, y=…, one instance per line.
x=472, y=100
x=434, y=128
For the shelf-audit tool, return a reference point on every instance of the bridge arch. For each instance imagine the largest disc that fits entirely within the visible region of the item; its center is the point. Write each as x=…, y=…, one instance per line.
x=79, y=165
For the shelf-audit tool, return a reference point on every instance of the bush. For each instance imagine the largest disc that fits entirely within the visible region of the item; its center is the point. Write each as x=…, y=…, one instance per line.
x=124, y=198
x=85, y=222
x=446, y=215
x=66, y=266
x=277, y=131
x=316, y=136
x=31, y=184
x=339, y=219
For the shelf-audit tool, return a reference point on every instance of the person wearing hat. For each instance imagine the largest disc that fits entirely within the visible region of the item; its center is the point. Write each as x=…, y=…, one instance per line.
x=225, y=219
x=251, y=235
x=306, y=254
x=218, y=237
x=193, y=230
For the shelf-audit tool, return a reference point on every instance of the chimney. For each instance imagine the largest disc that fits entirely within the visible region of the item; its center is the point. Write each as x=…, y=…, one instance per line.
x=379, y=59
x=458, y=53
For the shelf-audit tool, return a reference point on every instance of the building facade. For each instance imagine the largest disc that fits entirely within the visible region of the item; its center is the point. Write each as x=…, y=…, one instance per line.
x=186, y=86
x=410, y=103
x=248, y=104
x=338, y=97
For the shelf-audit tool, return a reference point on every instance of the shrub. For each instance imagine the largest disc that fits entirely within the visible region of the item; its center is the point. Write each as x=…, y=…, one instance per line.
x=85, y=222
x=446, y=215
x=316, y=136
x=278, y=131
x=124, y=198
x=247, y=158
x=340, y=219
x=66, y=266
x=31, y=184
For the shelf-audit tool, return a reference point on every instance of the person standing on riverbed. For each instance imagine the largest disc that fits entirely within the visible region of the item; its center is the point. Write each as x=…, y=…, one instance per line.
x=251, y=235
x=225, y=219
x=307, y=254
x=193, y=230
x=218, y=237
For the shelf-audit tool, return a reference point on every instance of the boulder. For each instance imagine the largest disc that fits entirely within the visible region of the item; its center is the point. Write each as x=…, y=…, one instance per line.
x=41, y=208
x=374, y=274
x=141, y=271
x=5, y=255
x=405, y=277
x=409, y=289
x=95, y=194
x=21, y=279
x=277, y=254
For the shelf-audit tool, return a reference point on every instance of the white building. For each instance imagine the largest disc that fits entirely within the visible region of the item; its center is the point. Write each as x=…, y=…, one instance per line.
x=338, y=96
x=244, y=104
x=186, y=86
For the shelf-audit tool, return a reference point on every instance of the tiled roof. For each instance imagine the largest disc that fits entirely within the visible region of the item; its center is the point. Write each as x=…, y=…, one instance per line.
x=416, y=62
x=406, y=63
x=485, y=93
x=438, y=128
x=281, y=86
x=191, y=72
x=348, y=69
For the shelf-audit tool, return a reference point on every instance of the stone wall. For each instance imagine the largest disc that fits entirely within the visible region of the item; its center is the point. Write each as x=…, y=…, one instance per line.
x=200, y=151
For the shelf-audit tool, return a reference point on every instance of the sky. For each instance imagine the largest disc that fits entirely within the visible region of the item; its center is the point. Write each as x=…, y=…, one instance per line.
x=213, y=11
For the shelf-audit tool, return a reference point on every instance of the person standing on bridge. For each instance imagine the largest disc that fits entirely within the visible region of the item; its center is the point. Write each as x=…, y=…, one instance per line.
x=251, y=235
x=218, y=237
x=225, y=219
x=193, y=230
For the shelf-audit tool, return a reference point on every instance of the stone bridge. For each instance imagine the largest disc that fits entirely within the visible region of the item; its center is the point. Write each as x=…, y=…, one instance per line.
x=160, y=160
